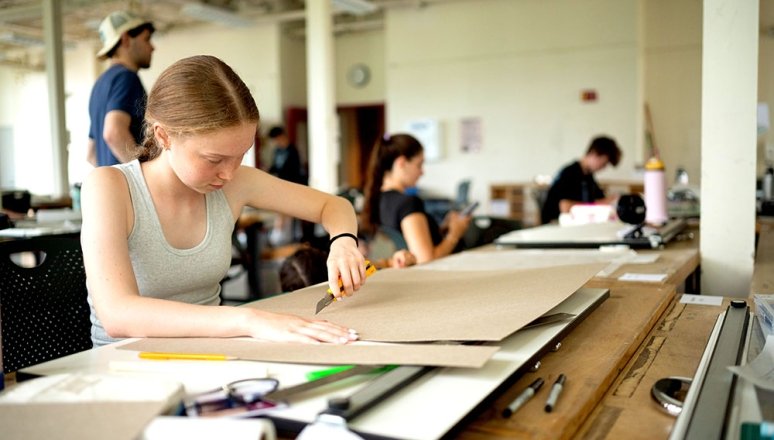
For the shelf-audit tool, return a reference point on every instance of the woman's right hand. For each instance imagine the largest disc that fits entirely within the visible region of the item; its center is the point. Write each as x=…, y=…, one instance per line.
x=277, y=327
x=457, y=224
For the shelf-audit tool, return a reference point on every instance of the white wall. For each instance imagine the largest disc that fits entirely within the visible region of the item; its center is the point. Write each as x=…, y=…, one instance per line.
x=520, y=67
x=672, y=52
x=7, y=150
x=360, y=48
x=7, y=97
x=293, y=67
x=28, y=114
x=81, y=70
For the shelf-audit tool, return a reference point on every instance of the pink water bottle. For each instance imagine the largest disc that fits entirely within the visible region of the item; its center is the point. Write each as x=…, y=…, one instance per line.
x=655, y=192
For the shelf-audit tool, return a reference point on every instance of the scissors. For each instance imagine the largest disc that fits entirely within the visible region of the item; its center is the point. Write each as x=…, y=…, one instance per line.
x=328, y=298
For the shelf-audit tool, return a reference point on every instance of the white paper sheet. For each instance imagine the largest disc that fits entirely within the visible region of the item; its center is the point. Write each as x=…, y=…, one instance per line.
x=760, y=371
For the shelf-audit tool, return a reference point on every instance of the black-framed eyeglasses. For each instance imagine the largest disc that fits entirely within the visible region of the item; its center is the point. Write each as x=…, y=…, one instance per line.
x=250, y=390
x=241, y=398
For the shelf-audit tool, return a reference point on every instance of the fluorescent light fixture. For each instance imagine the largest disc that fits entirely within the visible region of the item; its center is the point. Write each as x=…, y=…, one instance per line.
x=20, y=40
x=356, y=7
x=205, y=12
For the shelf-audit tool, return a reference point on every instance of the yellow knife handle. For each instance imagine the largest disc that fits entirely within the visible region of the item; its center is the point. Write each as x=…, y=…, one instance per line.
x=370, y=270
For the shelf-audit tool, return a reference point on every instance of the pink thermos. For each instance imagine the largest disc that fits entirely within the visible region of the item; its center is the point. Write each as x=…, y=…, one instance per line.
x=655, y=192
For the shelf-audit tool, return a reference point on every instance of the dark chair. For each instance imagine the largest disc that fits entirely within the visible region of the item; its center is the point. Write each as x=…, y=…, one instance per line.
x=395, y=236
x=245, y=260
x=485, y=229
x=384, y=243
x=44, y=313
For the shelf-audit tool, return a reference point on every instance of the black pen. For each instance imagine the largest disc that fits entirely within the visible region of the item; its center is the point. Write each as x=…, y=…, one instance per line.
x=525, y=395
x=556, y=389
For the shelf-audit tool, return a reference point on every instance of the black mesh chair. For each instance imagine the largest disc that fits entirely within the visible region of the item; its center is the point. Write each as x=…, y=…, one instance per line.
x=384, y=243
x=44, y=313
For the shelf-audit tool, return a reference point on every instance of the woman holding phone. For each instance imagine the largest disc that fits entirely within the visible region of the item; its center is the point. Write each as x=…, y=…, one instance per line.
x=396, y=165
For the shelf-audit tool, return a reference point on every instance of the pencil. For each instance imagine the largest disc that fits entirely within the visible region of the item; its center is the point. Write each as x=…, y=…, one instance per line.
x=184, y=356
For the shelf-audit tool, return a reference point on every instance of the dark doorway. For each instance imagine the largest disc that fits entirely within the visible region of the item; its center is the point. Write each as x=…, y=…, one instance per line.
x=359, y=127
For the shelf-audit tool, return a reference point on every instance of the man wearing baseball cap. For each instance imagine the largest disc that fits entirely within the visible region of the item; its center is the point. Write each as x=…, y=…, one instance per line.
x=117, y=102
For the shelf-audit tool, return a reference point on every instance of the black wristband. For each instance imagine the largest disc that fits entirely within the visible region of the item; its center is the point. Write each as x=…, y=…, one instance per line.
x=343, y=234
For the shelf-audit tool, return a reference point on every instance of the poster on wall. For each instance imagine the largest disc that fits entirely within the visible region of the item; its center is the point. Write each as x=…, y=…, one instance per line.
x=763, y=118
x=428, y=133
x=470, y=135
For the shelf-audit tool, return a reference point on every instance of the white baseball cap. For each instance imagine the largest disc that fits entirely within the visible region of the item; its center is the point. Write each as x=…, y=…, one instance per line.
x=113, y=26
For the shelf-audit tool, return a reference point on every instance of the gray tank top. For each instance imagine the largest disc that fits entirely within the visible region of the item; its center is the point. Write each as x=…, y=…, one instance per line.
x=162, y=271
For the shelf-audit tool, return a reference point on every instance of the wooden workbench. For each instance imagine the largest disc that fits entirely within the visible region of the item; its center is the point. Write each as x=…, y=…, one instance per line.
x=672, y=348
x=639, y=335
x=591, y=357
x=611, y=359
x=679, y=265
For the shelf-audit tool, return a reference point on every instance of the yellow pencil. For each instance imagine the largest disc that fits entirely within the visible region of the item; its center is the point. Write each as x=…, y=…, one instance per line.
x=185, y=356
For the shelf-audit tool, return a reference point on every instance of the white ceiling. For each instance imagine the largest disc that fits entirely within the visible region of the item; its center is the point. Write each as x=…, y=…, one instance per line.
x=21, y=20
x=22, y=32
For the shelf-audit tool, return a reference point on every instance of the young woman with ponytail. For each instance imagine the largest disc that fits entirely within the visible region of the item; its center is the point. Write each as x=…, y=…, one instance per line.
x=395, y=166
x=156, y=232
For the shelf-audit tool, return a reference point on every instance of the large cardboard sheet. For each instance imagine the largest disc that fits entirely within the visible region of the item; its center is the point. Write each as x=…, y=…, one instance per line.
x=494, y=259
x=466, y=356
x=410, y=305
x=407, y=305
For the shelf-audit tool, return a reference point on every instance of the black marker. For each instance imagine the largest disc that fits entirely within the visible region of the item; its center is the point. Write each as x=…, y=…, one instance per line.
x=556, y=389
x=525, y=395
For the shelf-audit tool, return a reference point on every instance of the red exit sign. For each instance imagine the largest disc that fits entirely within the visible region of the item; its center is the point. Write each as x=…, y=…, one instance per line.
x=589, y=95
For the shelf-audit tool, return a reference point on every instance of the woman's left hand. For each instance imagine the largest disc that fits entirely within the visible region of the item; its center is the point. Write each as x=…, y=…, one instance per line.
x=402, y=258
x=345, y=262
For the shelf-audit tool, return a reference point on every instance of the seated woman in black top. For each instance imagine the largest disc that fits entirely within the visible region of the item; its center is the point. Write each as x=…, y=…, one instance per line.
x=395, y=166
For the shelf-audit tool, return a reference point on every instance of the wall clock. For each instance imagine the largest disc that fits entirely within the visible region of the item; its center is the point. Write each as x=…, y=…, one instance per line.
x=359, y=75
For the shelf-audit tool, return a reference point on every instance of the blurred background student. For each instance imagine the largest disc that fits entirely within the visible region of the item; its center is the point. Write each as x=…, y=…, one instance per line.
x=307, y=267
x=575, y=183
x=117, y=102
x=286, y=164
x=395, y=167
x=286, y=161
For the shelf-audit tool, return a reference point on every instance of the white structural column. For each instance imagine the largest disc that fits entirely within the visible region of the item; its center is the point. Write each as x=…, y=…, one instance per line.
x=323, y=128
x=52, y=26
x=728, y=145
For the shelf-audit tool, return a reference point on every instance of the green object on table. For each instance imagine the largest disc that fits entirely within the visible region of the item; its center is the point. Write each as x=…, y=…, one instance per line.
x=319, y=374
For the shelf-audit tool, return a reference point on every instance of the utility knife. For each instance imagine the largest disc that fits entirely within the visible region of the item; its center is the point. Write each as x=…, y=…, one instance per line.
x=329, y=298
